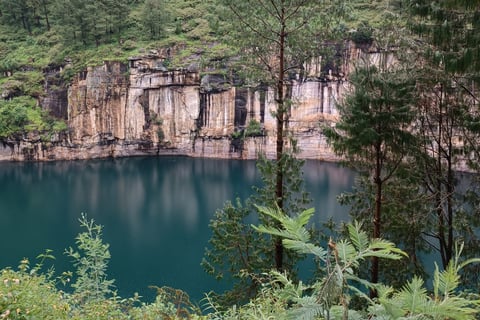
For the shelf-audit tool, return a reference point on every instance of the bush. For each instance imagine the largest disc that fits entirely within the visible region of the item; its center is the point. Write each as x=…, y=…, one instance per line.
x=363, y=34
x=253, y=129
x=27, y=294
x=21, y=115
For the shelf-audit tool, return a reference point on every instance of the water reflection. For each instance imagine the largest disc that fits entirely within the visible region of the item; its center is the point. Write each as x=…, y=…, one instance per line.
x=155, y=212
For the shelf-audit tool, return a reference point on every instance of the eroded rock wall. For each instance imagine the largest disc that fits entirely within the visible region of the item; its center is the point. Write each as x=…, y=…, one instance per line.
x=142, y=108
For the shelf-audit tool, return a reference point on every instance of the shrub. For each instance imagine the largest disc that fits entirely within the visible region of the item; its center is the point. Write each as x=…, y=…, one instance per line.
x=28, y=294
x=91, y=261
x=363, y=34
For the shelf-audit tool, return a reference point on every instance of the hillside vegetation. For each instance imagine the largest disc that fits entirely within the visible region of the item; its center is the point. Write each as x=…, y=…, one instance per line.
x=38, y=36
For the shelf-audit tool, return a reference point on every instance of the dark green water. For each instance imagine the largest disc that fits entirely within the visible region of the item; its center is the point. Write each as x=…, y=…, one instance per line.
x=155, y=212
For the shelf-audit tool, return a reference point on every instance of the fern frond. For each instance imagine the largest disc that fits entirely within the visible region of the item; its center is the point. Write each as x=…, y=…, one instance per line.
x=305, y=216
x=272, y=231
x=356, y=289
x=306, y=312
x=293, y=228
x=455, y=307
x=467, y=262
x=392, y=306
x=383, y=249
x=358, y=237
x=305, y=248
x=289, y=290
x=355, y=283
x=447, y=280
x=271, y=212
x=347, y=253
x=338, y=312
x=413, y=296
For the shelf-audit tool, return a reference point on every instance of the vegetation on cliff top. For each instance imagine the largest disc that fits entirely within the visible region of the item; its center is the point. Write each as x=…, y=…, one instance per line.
x=65, y=36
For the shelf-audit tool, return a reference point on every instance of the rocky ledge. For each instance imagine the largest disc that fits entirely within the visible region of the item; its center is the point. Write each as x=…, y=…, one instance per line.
x=143, y=108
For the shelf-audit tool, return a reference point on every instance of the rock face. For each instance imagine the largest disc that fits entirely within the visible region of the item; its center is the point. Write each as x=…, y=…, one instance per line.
x=144, y=109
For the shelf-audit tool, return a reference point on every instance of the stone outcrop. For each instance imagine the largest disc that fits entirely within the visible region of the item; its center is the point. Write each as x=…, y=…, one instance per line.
x=143, y=108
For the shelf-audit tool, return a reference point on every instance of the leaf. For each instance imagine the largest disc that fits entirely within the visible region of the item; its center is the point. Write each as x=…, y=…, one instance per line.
x=467, y=262
x=346, y=253
x=306, y=312
x=305, y=248
x=358, y=237
x=447, y=280
x=384, y=249
x=413, y=296
x=272, y=231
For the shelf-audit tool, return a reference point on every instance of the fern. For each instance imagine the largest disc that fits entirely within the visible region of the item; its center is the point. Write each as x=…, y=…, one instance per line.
x=295, y=236
x=358, y=238
x=306, y=312
x=329, y=296
x=414, y=301
x=341, y=261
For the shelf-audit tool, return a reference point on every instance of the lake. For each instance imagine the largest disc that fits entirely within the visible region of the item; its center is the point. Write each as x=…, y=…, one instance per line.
x=155, y=212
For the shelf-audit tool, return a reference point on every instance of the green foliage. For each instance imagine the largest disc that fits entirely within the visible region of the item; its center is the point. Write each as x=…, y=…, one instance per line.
x=91, y=261
x=295, y=197
x=448, y=67
x=32, y=293
x=406, y=224
x=90, y=22
x=21, y=115
x=253, y=129
x=195, y=19
x=374, y=133
x=154, y=17
x=341, y=261
x=169, y=304
x=32, y=82
x=375, y=118
x=330, y=295
x=236, y=253
x=27, y=293
x=13, y=117
x=363, y=35
x=414, y=300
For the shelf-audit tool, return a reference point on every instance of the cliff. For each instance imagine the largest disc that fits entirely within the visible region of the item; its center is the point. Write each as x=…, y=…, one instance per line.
x=143, y=108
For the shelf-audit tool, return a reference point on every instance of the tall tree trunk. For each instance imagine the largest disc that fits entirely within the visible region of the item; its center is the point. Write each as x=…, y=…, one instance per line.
x=45, y=11
x=377, y=216
x=450, y=190
x=444, y=200
x=280, y=141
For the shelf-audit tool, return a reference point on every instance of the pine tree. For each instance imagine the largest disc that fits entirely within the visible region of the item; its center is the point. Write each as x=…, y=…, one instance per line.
x=154, y=16
x=373, y=132
x=275, y=38
x=236, y=251
x=448, y=57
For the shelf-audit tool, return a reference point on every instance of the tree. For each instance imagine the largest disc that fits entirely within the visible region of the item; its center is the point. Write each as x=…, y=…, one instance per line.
x=373, y=132
x=17, y=12
x=236, y=252
x=43, y=6
x=406, y=223
x=90, y=21
x=449, y=73
x=91, y=261
x=275, y=38
x=154, y=16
